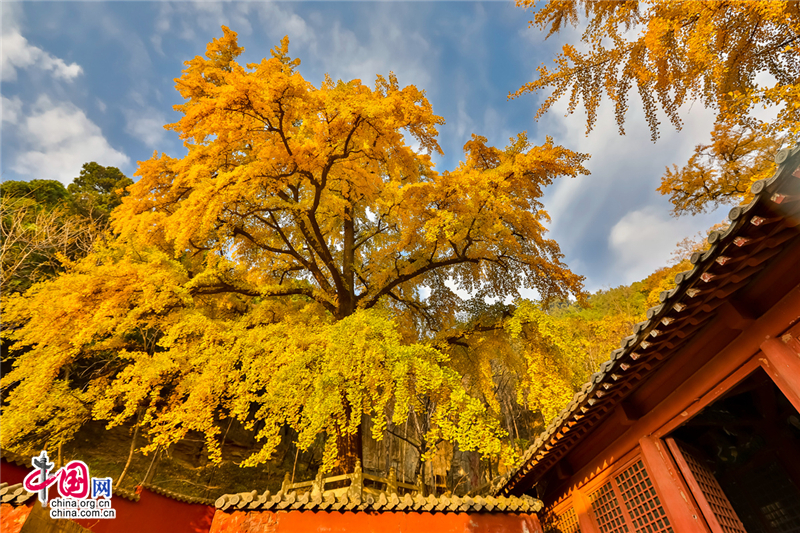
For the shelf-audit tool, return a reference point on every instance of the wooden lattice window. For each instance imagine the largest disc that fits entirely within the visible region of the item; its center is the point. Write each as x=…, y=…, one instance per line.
x=628, y=502
x=607, y=511
x=716, y=508
x=640, y=499
x=568, y=522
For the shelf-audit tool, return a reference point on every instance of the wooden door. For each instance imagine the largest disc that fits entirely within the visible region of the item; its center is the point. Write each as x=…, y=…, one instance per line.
x=715, y=506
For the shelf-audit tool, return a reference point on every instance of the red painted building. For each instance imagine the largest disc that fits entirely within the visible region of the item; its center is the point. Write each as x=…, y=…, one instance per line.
x=693, y=425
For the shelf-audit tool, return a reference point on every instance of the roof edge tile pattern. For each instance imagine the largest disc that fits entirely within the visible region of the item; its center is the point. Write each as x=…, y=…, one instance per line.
x=18, y=495
x=176, y=495
x=14, y=494
x=127, y=494
x=14, y=458
x=689, y=285
x=354, y=496
x=252, y=501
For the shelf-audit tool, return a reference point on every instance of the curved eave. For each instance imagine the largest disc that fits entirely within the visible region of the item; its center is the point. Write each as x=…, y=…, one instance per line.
x=756, y=233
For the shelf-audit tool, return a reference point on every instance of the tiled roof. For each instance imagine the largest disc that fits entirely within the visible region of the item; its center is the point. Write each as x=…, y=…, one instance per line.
x=14, y=494
x=756, y=233
x=15, y=459
x=382, y=502
x=177, y=496
x=127, y=494
x=354, y=496
x=17, y=495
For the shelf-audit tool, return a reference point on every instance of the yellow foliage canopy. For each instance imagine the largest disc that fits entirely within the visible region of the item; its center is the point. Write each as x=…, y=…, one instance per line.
x=313, y=191
x=277, y=273
x=128, y=325
x=722, y=171
x=735, y=57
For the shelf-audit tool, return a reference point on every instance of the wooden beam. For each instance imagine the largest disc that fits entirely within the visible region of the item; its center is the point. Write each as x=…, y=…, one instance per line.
x=675, y=496
x=782, y=364
x=627, y=414
x=711, y=396
x=563, y=470
x=737, y=315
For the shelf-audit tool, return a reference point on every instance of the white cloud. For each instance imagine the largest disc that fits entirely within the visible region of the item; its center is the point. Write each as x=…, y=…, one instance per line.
x=323, y=44
x=609, y=150
x=57, y=139
x=643, y=241
x=162, y=27
x=463, y=123
x=191, y=21
x=461, y=293
x=495, y=128
x=768, y=114
x=625, y=173
x=18, y=53
x=11, y=109
x=146, y=126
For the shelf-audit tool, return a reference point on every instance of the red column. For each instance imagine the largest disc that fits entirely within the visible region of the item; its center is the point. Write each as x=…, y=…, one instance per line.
x=675, y=496
x=583, y=508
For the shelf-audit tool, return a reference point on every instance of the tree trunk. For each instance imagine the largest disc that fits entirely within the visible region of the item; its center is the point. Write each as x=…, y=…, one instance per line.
x=130, y=452
x=348, y=445
x=151, y=470
x=350, y=451
x=348, y=299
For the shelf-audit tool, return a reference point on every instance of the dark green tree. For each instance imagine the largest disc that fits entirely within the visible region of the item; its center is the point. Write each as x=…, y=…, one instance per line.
x=98, y=190
x=44, y=223
x=43, y=194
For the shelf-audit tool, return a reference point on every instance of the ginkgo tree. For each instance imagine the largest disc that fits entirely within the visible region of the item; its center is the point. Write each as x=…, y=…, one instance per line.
x=739, y=59
x=293, y=268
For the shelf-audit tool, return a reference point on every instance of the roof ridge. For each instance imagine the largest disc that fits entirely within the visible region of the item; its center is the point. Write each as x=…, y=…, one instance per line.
x=173, y=495
x=384, y=501
x=14, y=494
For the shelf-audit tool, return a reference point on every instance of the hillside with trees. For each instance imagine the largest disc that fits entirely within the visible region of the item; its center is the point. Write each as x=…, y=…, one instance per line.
x=45, y=225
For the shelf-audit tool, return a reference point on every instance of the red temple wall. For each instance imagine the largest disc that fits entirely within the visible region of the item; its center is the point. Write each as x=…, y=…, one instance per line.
x=153, y=513
x=13, y=518
x=11, y=473
x=364, y=522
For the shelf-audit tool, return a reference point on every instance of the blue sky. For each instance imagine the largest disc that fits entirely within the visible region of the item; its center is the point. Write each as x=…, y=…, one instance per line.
x=94, y=82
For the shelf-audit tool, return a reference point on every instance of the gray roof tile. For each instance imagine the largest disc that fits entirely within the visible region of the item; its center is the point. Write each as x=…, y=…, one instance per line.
x=180, y=497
